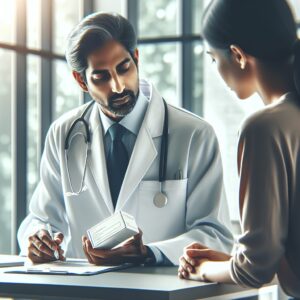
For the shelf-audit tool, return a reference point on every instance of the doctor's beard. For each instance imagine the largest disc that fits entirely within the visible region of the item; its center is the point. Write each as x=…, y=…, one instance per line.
x=122, y=104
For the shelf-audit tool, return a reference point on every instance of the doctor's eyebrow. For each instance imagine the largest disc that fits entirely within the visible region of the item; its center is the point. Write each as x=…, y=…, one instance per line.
x=122, y=63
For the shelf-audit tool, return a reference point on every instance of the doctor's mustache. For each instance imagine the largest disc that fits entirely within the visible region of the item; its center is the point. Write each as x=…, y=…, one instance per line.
x=125, y=93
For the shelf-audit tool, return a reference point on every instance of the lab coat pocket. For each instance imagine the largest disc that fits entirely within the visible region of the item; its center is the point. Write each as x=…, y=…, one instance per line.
x=159, y=223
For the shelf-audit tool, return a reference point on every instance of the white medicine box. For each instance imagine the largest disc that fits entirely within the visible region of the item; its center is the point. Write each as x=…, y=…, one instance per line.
x=112, y=231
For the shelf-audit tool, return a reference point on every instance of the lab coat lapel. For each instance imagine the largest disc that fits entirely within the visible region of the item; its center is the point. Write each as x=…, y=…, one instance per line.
x=97, y=162
x=144, y=151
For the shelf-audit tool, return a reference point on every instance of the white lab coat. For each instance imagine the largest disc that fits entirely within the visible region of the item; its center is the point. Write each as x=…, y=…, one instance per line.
x=196, y=208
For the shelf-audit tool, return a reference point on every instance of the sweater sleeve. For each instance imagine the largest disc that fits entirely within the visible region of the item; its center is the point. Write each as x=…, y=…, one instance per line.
x=263, y=169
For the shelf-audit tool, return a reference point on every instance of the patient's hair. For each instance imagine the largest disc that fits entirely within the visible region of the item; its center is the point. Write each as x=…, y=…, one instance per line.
x=265, y=29
x=93, y=32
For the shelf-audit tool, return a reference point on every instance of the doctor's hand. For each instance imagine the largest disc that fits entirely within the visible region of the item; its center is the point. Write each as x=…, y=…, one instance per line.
x=41, y=246
x=131, y=251
x=192, y=262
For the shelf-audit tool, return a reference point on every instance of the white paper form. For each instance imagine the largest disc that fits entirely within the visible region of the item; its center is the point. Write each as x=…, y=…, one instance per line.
x=11, y=261
x=68, y=267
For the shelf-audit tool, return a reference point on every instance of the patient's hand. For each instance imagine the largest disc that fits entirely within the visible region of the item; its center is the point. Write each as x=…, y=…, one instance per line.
x=191, y=263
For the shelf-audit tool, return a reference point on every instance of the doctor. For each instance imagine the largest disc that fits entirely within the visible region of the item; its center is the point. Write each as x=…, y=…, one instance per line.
x=128, y=150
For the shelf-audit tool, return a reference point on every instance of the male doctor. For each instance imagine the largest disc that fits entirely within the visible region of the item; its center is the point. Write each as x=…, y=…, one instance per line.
x=82, y=184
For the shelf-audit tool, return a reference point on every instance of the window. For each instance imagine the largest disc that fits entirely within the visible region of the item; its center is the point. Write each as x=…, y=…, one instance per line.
x=160, y=63
x=7, y=17
x=5, y=149
x=170, y=48
x=159, y=19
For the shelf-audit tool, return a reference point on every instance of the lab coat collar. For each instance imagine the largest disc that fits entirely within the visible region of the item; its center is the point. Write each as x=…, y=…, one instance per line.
x=154, y=118
x=97, y=162
x=144, y=151
x=143, y=154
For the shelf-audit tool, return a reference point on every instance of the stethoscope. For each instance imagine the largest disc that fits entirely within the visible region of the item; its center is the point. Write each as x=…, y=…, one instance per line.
x=160, y=199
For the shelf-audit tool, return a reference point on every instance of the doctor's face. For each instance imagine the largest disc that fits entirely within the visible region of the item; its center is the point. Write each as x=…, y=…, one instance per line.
x=112, y=79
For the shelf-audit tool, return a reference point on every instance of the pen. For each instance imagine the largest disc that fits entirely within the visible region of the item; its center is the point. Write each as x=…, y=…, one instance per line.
x=56, y=254
x=39, y=271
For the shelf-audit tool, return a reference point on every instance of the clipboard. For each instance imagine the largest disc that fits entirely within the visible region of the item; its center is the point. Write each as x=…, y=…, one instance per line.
x=73, y=267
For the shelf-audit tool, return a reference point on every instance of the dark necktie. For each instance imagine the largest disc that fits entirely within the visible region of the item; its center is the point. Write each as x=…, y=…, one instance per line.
x=117, y=161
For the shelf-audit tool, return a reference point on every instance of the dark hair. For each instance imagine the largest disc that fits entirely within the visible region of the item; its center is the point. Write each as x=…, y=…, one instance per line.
x=93, y=32
x=265, y=29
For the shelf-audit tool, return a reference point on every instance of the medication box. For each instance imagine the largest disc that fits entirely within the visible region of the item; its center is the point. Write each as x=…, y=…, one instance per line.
x=112, y=231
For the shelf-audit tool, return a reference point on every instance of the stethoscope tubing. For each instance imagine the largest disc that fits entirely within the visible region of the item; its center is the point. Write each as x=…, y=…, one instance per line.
x=164, y=146
x=85, y=124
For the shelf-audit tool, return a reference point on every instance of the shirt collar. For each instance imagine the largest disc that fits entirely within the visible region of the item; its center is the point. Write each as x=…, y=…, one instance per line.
x=133, y=120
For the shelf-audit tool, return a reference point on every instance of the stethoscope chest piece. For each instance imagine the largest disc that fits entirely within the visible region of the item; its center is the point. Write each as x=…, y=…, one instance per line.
x=160, y=200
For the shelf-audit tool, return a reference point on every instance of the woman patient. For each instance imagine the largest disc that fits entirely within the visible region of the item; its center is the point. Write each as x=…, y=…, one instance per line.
x=255, y=47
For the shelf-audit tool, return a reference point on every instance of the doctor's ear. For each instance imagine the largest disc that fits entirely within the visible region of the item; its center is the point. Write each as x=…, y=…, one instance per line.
x=239, y=56
x=80, y=81
x=136, y=56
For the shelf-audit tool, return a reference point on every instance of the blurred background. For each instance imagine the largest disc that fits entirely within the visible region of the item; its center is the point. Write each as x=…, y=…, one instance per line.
x=36, y=85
